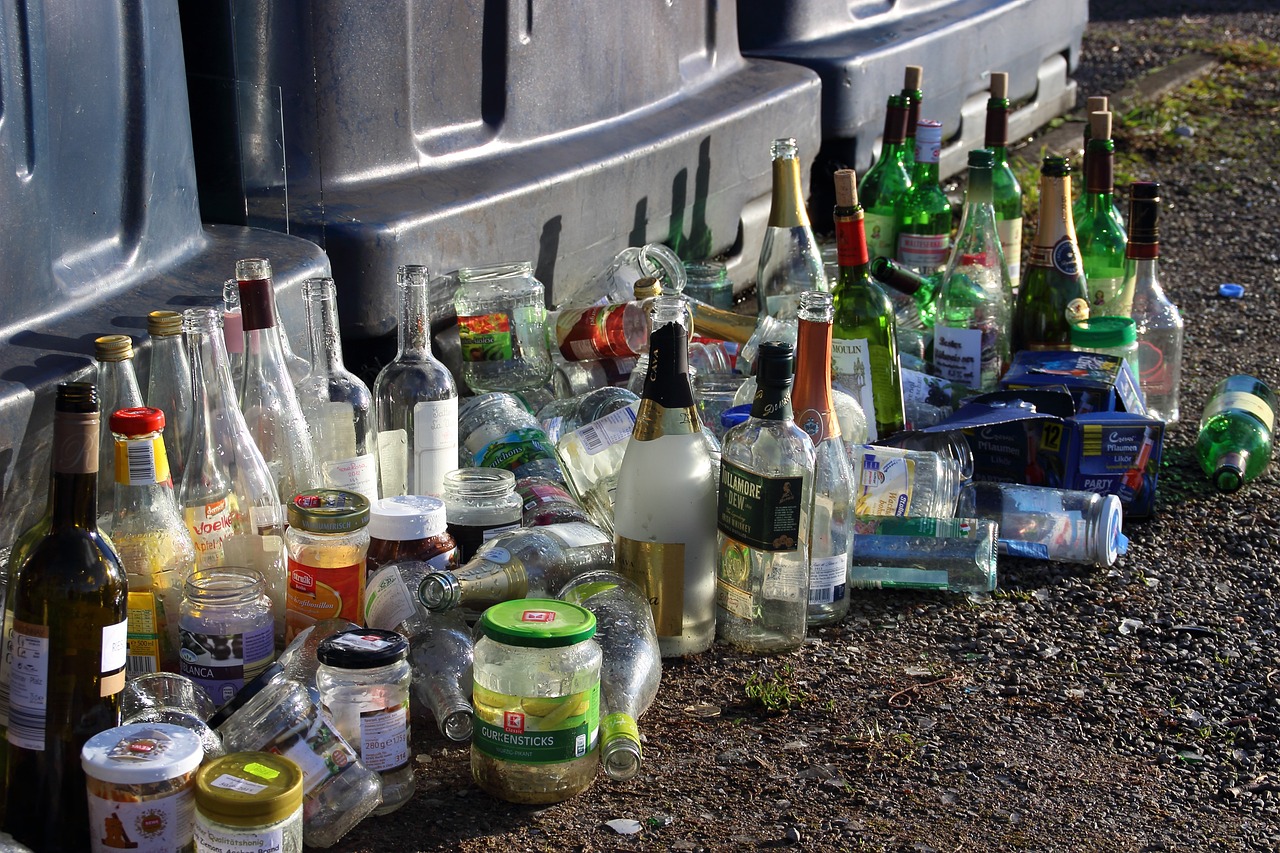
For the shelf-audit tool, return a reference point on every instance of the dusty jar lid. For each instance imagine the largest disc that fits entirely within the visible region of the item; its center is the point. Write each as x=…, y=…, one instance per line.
x=140, y=420
x=249, y=789
x=329, y=511
x=141, y=754
x=540, y=623
x=362, y=648
x=406, y=518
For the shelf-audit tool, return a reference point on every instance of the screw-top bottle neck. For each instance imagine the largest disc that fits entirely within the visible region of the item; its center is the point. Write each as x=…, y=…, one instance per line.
x=928, y=149
x=73, y=493
x=414, y=332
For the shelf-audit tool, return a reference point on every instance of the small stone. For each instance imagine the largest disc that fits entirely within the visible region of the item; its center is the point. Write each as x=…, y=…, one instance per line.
x=792, y=835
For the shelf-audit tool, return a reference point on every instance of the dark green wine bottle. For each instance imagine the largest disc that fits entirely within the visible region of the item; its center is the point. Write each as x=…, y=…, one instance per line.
x=912, y=80
x=889, y=178
x=69, y=641
x=1006, y=192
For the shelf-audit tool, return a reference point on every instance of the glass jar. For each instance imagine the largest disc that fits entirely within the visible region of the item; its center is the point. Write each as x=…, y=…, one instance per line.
x=502, y=317
x=536, y=693
x=411, y=527
x=249, y=801
x=1116, y=336
x=479, y=504
x=141, y=785
x=708, y=281
x=337, y=789
x=226, y=630
x=327, y=541
x=497, y=431
x=363, y=681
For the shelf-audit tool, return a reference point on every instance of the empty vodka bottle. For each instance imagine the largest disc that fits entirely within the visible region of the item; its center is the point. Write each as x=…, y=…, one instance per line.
x=631, y=667
x=117, y=389
x=1040, y=523
x=956, y=554
x=890, y=481
x=169, y=385
x=442, y=654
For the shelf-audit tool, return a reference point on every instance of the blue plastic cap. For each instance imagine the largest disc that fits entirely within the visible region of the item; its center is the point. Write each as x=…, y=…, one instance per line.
x=730, y=418
x=1231, y=291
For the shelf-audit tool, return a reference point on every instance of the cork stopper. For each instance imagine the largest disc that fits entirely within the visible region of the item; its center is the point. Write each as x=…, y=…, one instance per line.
x=1098, y=104
x=1000, y=84
x=163, y=324
x=846, y=188
x=913, y=78
x=113, y=348
x=646, y=287
x=1100, y=125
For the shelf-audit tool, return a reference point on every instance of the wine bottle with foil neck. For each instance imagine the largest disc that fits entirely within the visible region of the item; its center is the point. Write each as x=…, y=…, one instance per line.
x=790, y=262
x=169, y=385
x=1095, y=104
x=1006, y=191
x=117, y=389
x=1158, y=321
x=1234, y=444
x=913, y=94
x=1100, y=232
x=887, y=179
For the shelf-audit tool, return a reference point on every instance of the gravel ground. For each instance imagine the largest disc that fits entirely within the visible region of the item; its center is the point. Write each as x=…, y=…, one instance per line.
x=1077, y=709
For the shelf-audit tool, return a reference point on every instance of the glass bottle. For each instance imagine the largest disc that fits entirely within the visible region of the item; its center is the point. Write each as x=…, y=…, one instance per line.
x=664, y=507
x=1053, y=294
x=1099, y=231
x=617, y=330
x=864, y=333
x=1006, y=192
x=70, y=633
x=268, y=399
x=887, y=179
x=955, y=554
x=416, y=401
x=442, y=655
x=1095, y=104
x=1049, y=524
x=720, y=324
x=811, y=400
x=548, y=502
x=151, y=538
x=924, y=212
x=922, y=289
x=592, y=456
x=497, y=431
x=971, y=335
x=913, y=94
x=117, y=389
x=169, y=385
x=766, y=489
x=335, y=402
x=1158, y=321
x=790, y=262
x=233, y=331
x=502, y=317
x=1234, y=441
x=903, y=482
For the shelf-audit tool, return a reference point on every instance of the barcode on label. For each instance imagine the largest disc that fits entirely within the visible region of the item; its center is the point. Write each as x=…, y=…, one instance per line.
x=142, y=462
x=139, y=664
x=604, y=432
x=26, y=730
x=825, y=595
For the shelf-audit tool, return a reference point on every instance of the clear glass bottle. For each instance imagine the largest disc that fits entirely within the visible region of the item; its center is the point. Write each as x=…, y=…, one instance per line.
x=335, y=402
x=923, y=212
x=790, y=261
x=226, y=629
x=1049, y=524
x=832, y=513
x=1234, y=443
x=975, y=304
x=1099, y=230
x=502, y=317
x=766, y=490
x=416, y=401
x=169, y=385
x=117, y=389
x=1006, y=192
x=249, y=801
x=364, y=688
x=664, y=506
x=327, y=540
x=497, y=431
x=480, y=503
x=233, y=331
x=592, y=455
x=886, y=180
x=955, y=554
x=548, y=502
x=537, y=669
x=442, y=654
x=895, y=481
x=1158, y=320
x=151, y=539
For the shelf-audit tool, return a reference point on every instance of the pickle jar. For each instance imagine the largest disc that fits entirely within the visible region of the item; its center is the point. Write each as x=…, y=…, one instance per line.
x=536, y=692
x=226, y=628
x=364, y=687
x=327, y=541
x=411, y=527
x=249, y=801
x=141, y=785
x=479, y=504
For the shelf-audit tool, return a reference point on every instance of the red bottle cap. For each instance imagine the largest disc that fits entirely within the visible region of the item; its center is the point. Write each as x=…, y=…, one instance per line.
x=137, y=421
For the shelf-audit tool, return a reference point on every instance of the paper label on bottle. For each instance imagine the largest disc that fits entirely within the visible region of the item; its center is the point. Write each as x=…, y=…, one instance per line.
x=115, y=646
x=212, y=839
x=319, y=751
x=29, y=685
x=315, y=593
x=6, y=662
x=1065, y=256
x=384, y=738
x=1010, y=231
x=762, y=512
x=883, y=484
x=354, y=475
x=851, y=366
x=928, y=251
x=156, y=825
x=827, y=578
x=957, y=354
x=145, y=614
x=393, y=462
x=223, y=663
x=786, y=579
x=882, y=235
x=435, y=444
x=536, y=730
x=1243, y=401
x=576, y=534
x=658, y=569
x=515, y=450
x=141, y=462
x=731, y=597
x=211, y=525
x=387, y=600
x=603, y=433
x=485, y=337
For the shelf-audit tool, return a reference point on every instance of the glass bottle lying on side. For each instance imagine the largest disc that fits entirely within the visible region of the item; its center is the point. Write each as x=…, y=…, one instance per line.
x=955, y=554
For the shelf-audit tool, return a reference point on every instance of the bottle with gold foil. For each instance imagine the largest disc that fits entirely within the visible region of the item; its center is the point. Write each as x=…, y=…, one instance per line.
x=664, y=509
x=70, y=633
x=1053, y=295
x=790, y=262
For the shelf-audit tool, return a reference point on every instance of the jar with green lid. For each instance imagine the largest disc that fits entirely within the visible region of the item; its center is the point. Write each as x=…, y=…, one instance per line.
x=1116, y=336
x=537, y=701
x=327, y=542
x=249, y=801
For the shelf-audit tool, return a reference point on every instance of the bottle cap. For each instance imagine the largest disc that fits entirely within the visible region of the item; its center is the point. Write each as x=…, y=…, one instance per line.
x=1107, y=535
x=1097, y=103
x=538, y=623
x=362, y=648
x=646, y=287
x=928, y=132
x=139, y=420
x=1231, y=291
x=113, y=348
x=775, y=363
x=256, y=308
x=982, y=158
x=141, y=754
x=164, y=324
x=1104, y=333
x=406, y=518
x=249, y=789
x=329, y=511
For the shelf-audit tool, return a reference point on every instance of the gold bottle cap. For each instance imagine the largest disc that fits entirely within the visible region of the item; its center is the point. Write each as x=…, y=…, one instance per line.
x=647, y=287
x=913, y=77
x=164, y=324
x=1100, y=125
x=113, y=348
x=1000, y=84
x=846, y=188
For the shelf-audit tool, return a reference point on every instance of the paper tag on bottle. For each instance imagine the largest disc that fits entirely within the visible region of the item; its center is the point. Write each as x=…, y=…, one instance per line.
x=1010, y=231
x=926, y=251
x=29, y=686
x=827, y=577
x=851, y=364
x=435, y=444
x=957, y=354
x=393, y=461
x=387, y=600
x=603, y=433
x=575, y=534
x=882, y=483
x=786, y=578
x=115, y=646
x=355, y=475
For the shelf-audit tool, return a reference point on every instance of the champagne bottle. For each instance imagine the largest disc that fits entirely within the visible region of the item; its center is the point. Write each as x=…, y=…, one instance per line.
x=117, y=389
x=885, y=181
x=1006, y=192
x=169, y=385
x=829, y=519
x=1158, y=321
x=664, y=508
x=864, y=334
x=70, y=634
x=1099, y=230
x=923, y=212
x=790, y=262
x=1053, y=294
x=1234, y=444
x=912, y=80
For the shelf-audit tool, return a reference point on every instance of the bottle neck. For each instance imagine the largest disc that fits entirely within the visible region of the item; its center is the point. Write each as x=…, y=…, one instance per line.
x=1055, y=211
x=772, y=402
x=851, y=245
x=73, y=484
x=811, y=396
x=414, y=332
x=997, y=131
x=667, y=404
x=210, y=381
x=118, y=385
x=326, y=345
x=1099, y=175
x=787, y=208
x=895, y=125
x=979, y=191
x=914, y=96
x=925, y=172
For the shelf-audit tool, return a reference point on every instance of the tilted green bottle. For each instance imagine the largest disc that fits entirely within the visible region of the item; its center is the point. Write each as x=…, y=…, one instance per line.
x=1006, y=192
x=1053, y=294
x=922, y=288
x=885, y=181
x=912, y=80
x=864, y=333
x=1234, y=443
x=924, y=211
x=1100, y=232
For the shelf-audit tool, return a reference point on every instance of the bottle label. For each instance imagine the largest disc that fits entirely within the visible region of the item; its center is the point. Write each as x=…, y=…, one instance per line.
x=1066, y=257
x=761, y=512
x=827, y=579
x=1010, y=231
x=592, y=333
x=536, y=730
x=387, y=600
x=603, y=433
x=146, y=619
x=851, y=364
x=141, y=462
x=318, y=750
x=928, y=149
x=315, y=593
x=211, y=525
x=882, y=235
x=384, y=738
x=927, y=251
x=485, y=337
x=354, y=475
x=577, y=534
x=156, y=825
x=515, y=450
x=1242, y=401
x=115, y=654
x=393, y=462
x=733, y=580
x=214, y=839
x=223, y=663
x=435, y=444
x=958, y=355
x=29, y=686
x=658, y=569
x=619, y=725
x=884, y=484
x=786, y=579
x=6, y=664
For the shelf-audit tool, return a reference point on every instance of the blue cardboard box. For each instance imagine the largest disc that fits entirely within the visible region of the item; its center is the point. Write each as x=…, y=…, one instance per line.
x=1098, y=383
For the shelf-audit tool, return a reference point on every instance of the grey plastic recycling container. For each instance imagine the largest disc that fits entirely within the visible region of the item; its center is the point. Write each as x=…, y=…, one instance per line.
x=99, y=217
x=458, y=133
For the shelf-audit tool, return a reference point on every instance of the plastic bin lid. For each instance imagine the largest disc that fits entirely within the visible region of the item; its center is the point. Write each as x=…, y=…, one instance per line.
x=141, y=753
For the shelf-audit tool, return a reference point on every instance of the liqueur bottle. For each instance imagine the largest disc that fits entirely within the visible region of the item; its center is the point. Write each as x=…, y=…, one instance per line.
x=923, y=212
x=117, y=389
x=664, y=507
x=1234, y=442
x=70, y=634
x=1158, y=321
x=887, y=180
x=864, y=334
x=766, y=486
x=1006, y=192
x=790, y=262
x=169, y=385
x=1099, y=230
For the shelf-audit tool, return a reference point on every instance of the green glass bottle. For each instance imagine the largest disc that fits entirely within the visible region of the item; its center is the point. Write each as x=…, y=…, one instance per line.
x=1100, y=232
x=1234, y=443
x=921, y=288
x=1006, y=192
x=924, y=211
x=912, y=80
x=1095, y=104
x=1053, y=295
x=864, y=334
x=885, y=181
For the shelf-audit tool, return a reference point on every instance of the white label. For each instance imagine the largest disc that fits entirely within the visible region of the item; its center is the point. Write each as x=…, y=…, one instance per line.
x=215, y=840
x=29, y=686
x=435, y=444
x=575, y=534
x=957, y=353
x=486, y=535
x=155, y=826
x=923, y=250
x=234, y=783
x=356, y=475
x=141, y=458
x=387, y=600
x=1010, y=231
x=393, y=461
x=786, y=579
x=115, y=646
x=384, y=738
x=332, y=757
x=613, y=428
x=851, y=364
x=825, y=574
x=882, y=238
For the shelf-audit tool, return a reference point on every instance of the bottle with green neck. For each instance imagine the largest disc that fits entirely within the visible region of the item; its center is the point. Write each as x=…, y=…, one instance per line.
x=924, y=212
x=912, y=80
x=1006, y=192
x=885, y=181
x=1100, y=232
